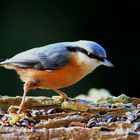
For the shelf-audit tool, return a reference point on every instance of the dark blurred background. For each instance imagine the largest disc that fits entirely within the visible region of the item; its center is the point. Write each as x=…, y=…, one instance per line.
x=113, y=24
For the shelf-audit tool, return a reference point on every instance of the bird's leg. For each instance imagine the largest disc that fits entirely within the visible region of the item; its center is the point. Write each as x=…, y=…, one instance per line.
x=14, y=114
x=62, y=94
x=21, y=108
x=26, y=88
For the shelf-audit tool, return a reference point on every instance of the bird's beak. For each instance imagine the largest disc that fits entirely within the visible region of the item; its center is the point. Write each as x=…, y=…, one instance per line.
x=107, y=63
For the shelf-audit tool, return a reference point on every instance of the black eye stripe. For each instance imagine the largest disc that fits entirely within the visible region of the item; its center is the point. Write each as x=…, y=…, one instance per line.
x=91, y=55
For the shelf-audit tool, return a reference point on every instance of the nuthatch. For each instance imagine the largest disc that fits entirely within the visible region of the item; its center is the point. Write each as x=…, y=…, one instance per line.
x=56, y=65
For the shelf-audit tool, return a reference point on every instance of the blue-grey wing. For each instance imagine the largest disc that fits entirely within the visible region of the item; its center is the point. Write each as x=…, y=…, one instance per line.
x=50, y=57
x=53, y=57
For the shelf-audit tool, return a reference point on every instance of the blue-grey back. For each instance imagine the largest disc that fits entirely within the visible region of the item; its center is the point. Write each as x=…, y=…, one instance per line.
x=53, y=56
x=49, y=57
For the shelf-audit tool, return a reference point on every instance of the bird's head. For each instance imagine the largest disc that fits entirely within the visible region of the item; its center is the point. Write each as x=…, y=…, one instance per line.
x=91, y=53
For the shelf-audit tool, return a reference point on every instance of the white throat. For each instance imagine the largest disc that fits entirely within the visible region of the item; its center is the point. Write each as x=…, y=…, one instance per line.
x=88, y=64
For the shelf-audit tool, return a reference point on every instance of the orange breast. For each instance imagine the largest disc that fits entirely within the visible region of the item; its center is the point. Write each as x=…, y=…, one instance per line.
x=63, y=77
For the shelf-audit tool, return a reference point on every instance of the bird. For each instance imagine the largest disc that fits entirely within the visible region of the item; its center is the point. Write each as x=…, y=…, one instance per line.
x=56, y=65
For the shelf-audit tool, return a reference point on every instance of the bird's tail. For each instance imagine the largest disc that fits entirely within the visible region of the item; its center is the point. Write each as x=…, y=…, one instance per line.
x=6, y=65
x=1, y=60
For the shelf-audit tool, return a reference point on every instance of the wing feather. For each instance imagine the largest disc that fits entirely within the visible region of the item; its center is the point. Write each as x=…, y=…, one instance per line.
x=49, y=57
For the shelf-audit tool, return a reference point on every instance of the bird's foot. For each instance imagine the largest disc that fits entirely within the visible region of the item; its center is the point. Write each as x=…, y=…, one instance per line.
x=63, y=96
x=70, y=99
x=14, y=117
x=15, y=113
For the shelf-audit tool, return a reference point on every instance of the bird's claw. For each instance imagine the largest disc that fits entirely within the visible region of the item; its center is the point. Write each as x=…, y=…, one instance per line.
x=14, y=117
x=70, y=99
x=13, y=109
x=15, y=114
